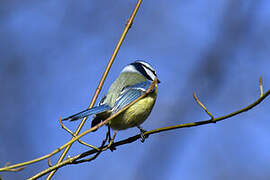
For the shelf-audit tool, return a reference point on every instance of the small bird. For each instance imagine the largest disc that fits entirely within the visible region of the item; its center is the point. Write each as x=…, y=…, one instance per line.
x=133, y=81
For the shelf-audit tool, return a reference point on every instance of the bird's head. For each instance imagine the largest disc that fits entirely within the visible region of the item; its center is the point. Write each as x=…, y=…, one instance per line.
x=143, y=68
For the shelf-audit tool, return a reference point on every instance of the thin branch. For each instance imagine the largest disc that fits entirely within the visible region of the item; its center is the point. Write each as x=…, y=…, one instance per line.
x=127, y=27
x=151, y=87
x=71, y=160
x=13, y=169
x=16, y=169
x=201, y=104
x=49, y=162
x=102, y=148
x=136, y=137
x=70, y=132
x=261, y=87
x=110, y=142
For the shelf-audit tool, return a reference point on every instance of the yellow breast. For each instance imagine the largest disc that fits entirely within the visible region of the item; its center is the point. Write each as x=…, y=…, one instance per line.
x=135, y=114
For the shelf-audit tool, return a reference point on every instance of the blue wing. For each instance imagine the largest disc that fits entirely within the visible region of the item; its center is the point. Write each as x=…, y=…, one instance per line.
x=129, y=94
x=89, y=112
x=142, y=86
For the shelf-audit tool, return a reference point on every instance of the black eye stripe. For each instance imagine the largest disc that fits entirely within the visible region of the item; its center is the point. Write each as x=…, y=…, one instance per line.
x=140, y=68
x=154, y=72
x=149, y=68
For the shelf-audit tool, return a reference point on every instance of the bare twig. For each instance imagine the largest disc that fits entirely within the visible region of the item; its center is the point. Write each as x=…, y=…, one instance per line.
x=13, y=169
x=102, y=148
x=72, y=160
x=151, y=87
x=136, y=137
x=70, y=132
x=261, y=87
x=201, y=104
x=49, y=162
x=110, y=142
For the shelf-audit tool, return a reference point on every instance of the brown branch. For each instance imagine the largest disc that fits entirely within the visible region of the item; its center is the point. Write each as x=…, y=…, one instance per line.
x=201, y=104
x=13, y=169
x=261, y=87
x=70, y=132
x=127, y=27
x=74, y=159
x=110, y=141
x=151, y=87
x=49, y=162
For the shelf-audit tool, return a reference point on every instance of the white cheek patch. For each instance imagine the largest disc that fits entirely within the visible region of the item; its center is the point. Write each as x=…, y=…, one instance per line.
x=147, y=65
x=150, y=73
x=142, y=68
x=130, y=68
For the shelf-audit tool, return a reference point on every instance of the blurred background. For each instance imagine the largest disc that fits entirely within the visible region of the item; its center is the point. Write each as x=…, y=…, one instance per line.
x=52, y=56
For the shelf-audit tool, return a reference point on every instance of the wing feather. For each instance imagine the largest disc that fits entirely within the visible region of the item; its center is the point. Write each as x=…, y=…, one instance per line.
x=130, y=94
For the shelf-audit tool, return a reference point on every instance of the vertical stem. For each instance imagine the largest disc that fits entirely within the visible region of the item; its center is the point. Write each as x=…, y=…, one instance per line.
x=128, y=25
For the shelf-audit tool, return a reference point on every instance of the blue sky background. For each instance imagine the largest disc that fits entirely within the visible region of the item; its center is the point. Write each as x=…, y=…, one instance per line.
x=53, y=53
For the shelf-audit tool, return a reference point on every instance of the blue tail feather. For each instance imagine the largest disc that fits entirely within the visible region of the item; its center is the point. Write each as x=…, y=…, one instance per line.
x=88, y=112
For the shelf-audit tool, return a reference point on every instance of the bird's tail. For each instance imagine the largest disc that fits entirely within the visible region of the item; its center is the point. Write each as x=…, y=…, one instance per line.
x=88, y=112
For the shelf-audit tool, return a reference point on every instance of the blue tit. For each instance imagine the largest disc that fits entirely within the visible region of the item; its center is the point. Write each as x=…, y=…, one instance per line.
x=133, y=81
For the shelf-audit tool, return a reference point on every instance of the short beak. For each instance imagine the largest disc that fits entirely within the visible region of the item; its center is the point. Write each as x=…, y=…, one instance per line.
x=158, y=81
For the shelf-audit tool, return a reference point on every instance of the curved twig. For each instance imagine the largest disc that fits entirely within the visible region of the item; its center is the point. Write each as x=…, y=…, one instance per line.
x=70, y=132
x=74, y=159
x=127, y=27
x=8, y=168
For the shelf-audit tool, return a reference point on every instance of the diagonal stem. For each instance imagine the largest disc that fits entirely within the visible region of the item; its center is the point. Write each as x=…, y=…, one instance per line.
x=9, y=168
x=128, y=25
x=74, y=159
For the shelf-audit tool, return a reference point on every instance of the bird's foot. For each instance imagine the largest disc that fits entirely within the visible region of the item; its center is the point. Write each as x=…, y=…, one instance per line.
x=143, y=136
